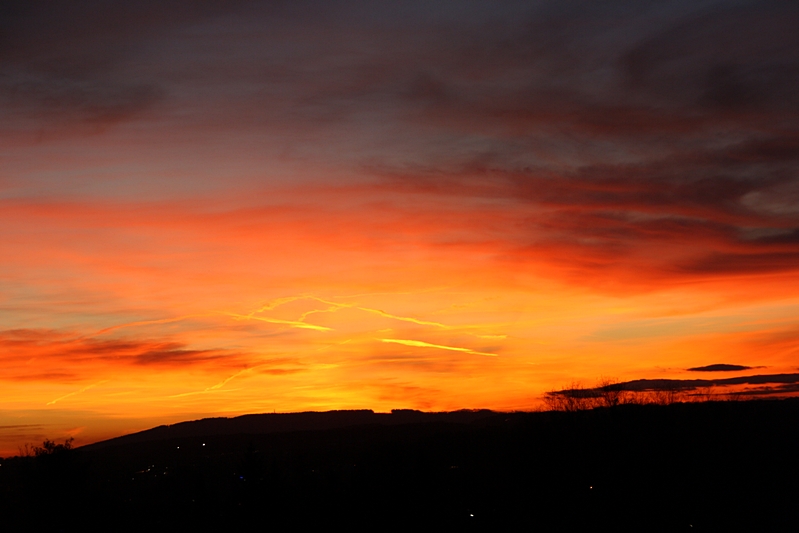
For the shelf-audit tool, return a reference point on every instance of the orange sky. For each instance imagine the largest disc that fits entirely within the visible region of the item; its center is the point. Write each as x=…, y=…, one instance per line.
x=241, y=210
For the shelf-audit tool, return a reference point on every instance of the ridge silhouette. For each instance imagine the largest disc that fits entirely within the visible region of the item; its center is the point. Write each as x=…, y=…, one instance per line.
x=630, y=467
x=287, y=422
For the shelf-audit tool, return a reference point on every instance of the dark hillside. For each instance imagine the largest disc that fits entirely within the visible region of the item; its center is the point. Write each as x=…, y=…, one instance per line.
x=288, y=422
x=700, y=466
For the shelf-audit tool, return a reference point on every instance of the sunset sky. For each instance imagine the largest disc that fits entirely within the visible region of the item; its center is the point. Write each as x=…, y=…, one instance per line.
x=211, y=208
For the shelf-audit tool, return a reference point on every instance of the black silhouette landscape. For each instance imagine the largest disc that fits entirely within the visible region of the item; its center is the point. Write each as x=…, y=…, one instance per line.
x=686, y=466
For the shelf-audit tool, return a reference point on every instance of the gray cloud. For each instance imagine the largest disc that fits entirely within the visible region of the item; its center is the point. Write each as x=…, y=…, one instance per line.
x=628, y=122
x=720, y=367
x=692, y=384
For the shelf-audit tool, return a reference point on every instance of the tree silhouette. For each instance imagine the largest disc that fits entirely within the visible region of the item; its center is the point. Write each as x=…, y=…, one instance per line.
x=612, y=392
x=49, y=447
x=570, y=399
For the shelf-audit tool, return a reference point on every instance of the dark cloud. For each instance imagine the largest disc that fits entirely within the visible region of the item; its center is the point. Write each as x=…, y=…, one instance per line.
x=280, y=371
x=701, y=217
x=719, y=367
x=62, y=377
x=762, y=385
x=787, y=388
x=736, y=56
x=691, y=384
x=54, y=348
x=175, y=353
x=615, y=125
x=742, y=263
x=664, y=123
x=88, y=37
x=62, y=101
x=63, y=64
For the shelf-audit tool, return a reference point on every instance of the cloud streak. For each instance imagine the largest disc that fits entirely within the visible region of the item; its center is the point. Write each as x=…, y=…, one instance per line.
x=52, y=349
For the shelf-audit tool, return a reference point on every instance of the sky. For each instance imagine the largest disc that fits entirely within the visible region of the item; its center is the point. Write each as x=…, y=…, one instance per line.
x=211, y=208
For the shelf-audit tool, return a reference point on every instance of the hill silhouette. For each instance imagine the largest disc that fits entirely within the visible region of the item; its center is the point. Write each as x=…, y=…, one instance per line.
x=259, y=424
x=685, y=466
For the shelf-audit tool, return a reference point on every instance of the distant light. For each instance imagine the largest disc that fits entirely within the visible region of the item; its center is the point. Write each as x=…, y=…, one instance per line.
x=203, y=444
x=470, y=514
x=591, y=487
x=178, y=447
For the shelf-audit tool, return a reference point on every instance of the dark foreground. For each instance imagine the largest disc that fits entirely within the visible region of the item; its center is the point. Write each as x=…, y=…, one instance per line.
x=712, y=466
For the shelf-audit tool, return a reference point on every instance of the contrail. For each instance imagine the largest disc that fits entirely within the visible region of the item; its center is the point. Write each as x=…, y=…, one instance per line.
x=406, y=319
x=205, y=391
x=300, y=323
x=84, y=389
x=157, y=321
x=335, y=306
x=292, y=323
x=288, y=299
x=422, y=344
x=218, y=386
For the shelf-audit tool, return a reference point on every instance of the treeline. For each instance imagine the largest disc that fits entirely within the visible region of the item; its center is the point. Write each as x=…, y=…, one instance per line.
x=48, y=447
